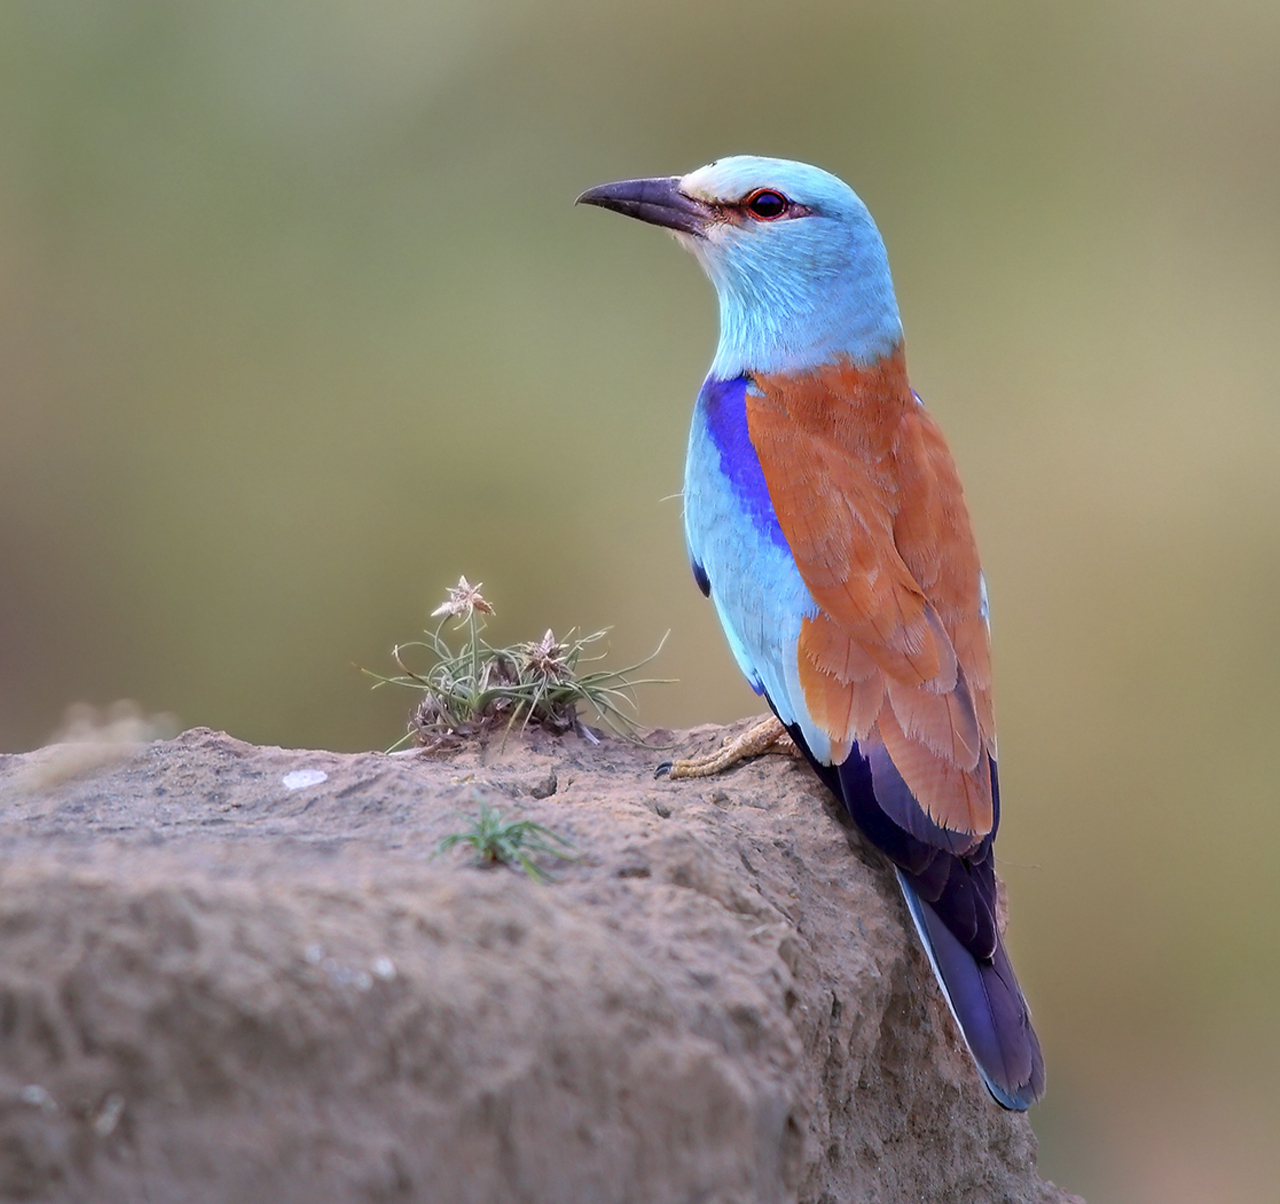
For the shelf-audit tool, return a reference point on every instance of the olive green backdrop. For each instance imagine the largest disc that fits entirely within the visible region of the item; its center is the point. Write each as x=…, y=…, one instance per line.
x=297, y=323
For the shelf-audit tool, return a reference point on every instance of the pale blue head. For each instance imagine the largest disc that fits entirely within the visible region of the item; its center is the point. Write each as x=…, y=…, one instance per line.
x=798, y=264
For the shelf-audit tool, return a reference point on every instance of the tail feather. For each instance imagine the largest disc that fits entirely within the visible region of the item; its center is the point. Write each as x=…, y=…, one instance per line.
x=952, y=900
x=988, y=1005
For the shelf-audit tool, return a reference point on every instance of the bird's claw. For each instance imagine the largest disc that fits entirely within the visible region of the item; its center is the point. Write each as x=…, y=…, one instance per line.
x=759, y=739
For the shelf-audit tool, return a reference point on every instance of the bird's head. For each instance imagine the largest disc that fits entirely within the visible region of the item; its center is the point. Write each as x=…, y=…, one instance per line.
x=798, y=264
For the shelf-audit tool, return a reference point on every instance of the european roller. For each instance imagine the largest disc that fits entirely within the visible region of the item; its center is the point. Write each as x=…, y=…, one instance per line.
x=825, y=520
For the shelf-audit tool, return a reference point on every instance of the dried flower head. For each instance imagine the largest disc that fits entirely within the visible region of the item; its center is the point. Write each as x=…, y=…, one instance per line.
x=464, y=600
x=548, y=658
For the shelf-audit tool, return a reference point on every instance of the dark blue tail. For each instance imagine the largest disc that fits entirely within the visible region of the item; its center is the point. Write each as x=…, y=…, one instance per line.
x=988, y=1005
x=952, y=899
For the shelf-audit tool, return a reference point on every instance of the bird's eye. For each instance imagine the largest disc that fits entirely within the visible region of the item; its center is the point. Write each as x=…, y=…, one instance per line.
x=766, y=204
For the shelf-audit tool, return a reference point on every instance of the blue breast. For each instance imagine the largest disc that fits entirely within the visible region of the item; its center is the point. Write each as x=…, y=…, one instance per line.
x=738, y=550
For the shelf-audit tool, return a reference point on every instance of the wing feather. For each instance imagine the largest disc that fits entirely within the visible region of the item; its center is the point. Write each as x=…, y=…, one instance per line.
x=870, y=503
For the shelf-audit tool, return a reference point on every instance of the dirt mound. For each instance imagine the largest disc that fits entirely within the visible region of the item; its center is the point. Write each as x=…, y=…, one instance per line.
x=231, y=973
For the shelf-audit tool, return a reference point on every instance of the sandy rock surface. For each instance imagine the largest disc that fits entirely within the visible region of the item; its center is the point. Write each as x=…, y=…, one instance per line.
x=223, y=978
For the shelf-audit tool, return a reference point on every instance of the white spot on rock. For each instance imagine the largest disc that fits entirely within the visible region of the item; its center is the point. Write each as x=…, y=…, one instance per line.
x=38, y=1097
x=108, y=1117
x=301, y=778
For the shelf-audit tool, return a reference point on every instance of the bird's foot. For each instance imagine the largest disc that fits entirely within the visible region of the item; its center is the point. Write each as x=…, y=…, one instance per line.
x=767, y=736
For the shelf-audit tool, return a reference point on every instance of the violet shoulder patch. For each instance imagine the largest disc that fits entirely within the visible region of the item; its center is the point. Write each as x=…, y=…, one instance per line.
x=725, y=404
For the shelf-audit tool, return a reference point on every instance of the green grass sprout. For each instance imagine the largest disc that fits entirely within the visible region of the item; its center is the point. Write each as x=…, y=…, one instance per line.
x=495, y=840
x=477, y=688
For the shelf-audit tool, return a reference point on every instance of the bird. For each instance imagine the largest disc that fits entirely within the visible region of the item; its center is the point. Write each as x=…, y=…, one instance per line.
x=825, y=519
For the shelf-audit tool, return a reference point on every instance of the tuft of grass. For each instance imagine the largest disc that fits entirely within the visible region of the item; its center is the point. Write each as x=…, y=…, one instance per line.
x=495, y=840
x=476, y=688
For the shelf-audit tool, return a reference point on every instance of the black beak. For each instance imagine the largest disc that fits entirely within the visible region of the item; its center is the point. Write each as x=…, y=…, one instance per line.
x=658, y=202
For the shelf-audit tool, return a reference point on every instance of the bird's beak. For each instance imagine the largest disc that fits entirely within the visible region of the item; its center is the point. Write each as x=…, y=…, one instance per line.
x=658, y=202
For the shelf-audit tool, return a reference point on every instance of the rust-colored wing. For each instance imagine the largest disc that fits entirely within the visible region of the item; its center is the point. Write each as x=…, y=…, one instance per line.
x=871, y=505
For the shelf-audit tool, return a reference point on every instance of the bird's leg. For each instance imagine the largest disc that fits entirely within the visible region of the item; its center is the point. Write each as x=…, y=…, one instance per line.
x=762, y=738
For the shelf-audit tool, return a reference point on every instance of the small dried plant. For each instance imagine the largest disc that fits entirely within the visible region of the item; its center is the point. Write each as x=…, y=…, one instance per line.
x=495, y=840
x=477, y=688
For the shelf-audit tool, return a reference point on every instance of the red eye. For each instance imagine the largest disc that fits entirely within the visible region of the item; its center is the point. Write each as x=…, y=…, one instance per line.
x=766, y=204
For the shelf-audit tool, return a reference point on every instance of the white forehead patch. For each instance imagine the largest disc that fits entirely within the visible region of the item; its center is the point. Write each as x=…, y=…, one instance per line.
x=733, y=178
x=706, y=184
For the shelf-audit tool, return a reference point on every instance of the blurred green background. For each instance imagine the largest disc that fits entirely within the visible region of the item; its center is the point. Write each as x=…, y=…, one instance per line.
x=297, y=323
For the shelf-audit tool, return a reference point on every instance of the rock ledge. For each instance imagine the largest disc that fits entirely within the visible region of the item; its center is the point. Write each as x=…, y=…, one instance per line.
x=216, y=987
